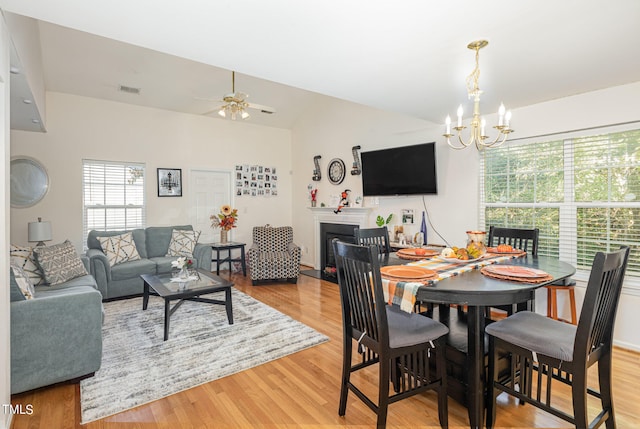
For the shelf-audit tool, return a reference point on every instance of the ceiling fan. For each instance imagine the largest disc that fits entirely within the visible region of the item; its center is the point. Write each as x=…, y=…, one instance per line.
x=236, y=105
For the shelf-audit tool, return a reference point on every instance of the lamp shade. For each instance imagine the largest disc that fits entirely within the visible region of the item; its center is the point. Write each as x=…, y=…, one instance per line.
x=39, y=231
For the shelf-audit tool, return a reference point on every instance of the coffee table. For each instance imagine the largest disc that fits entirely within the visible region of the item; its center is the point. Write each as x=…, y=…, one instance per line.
x=162, y=286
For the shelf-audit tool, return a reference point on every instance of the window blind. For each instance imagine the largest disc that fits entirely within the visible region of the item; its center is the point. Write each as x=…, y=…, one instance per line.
x=113, y=196
x=582, y=192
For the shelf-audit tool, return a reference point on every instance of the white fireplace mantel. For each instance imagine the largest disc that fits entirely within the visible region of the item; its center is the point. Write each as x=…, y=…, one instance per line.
x=347, y=215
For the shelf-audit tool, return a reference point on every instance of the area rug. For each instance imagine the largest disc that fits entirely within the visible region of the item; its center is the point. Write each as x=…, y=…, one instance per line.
x=139, y=367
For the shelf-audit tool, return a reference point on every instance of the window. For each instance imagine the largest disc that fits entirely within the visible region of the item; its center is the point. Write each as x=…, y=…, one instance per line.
x=583, y=193
x=113, y=196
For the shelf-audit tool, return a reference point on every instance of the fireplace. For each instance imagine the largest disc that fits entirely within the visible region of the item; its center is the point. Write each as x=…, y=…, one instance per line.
x=342, y=225
x=329, y=231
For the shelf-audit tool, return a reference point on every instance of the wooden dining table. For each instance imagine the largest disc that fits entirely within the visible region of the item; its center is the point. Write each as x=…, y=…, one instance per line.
x=477, y=292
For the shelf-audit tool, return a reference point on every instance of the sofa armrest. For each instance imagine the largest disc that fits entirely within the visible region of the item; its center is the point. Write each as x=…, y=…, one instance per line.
x=100, y=269
x=56, y=336
x=252, y=255
x=202, y=253
x=295, y=252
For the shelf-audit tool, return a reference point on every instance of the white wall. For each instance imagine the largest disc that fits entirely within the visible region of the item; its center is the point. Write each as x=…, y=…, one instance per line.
x=333, y=127
x=5, y=343
x=86, y=128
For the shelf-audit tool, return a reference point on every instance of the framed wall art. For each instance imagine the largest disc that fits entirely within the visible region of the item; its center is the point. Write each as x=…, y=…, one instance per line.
x=169, y=182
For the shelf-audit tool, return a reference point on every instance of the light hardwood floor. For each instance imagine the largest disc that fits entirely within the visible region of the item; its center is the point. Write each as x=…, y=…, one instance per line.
x=301, y=390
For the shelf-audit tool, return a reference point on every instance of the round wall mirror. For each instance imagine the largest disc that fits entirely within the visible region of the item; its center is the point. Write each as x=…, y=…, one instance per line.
x=29, y=182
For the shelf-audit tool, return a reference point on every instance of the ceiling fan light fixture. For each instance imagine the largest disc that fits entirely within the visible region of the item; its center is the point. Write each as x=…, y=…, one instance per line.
x=244, y=114
x=222, y=113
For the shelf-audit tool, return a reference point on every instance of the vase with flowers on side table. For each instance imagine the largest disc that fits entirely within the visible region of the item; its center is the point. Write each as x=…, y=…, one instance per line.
x=226, y=220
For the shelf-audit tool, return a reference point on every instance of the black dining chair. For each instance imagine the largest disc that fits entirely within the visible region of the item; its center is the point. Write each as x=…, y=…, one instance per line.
x=555, y=350
x=523, y=239
x=400, y=343
x=378, y=237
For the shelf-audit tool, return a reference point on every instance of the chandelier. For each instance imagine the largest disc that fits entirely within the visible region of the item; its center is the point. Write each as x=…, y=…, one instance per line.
x=477, y=134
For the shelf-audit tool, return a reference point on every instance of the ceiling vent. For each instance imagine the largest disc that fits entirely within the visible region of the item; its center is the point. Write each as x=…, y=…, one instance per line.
x=129, y=89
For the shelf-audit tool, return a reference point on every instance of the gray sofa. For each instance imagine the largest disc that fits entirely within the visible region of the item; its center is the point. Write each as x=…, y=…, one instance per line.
x=57, y=335
x=152, y=244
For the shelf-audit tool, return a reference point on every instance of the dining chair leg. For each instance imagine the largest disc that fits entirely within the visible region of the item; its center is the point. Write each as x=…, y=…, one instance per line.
x=579, y=397
x=441, y=373
x=604, y=378
x=346, y=374
x=490, y=399
x=549, y=298
x=383, y=393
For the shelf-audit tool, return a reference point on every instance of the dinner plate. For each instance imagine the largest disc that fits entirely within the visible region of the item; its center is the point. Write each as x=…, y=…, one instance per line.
x=459, y=261
x=411, y=254
x=516, y=271
x=406, y=272
x=497, y=252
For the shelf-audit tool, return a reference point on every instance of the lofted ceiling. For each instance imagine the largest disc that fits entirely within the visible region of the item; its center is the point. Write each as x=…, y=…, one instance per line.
x=409, y=57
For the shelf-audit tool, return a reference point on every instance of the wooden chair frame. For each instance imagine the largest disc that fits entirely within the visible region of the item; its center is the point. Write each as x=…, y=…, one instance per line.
x=593, y=343
x=365, y=322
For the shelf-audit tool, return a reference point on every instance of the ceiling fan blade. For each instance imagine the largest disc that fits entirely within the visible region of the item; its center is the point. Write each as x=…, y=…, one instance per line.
x=262, y=108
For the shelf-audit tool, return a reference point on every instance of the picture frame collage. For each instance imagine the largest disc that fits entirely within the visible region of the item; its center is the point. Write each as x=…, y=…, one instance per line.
x=256, y=181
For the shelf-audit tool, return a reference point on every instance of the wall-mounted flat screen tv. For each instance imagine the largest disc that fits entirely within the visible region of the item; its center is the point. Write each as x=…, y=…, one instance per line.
x=405, y=170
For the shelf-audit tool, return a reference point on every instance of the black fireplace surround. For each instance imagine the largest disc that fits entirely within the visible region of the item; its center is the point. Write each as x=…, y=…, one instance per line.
x=329, y=231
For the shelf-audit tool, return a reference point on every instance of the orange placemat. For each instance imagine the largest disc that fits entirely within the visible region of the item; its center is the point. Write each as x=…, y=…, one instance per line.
x=515, y=276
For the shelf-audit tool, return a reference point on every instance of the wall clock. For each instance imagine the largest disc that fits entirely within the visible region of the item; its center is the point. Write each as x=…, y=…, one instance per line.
x=336, y=171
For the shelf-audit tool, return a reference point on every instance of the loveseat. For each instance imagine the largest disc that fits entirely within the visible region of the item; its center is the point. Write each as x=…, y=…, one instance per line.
x=152, y=245
x=57, y=335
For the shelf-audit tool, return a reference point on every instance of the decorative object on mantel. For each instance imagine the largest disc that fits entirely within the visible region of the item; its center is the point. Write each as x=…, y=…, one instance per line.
x=39, y=231
x=344, y=200
x=256, y=181
x=317, y=175
x=313, y=193
x=356, y=170
x=478, y=135
x=225, y=220
x=169, y=182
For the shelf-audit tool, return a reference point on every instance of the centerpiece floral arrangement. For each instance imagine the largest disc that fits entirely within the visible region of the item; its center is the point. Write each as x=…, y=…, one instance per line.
x=226, y=219
x=182, y=262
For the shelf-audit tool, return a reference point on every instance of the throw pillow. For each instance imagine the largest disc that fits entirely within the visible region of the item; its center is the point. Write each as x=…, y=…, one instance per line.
x=183, y=242
x=59, y=262
x=119, y=248
x=22, y=279
x=24, y=258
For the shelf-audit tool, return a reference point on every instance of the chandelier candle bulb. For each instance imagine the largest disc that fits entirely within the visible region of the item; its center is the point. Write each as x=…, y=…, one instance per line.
x=507, y=119
x=448, y=124
x=501, y=115
x=460, y=115
x=483, y=123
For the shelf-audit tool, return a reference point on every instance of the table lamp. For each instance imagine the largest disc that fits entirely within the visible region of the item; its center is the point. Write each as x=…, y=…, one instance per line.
x=40, y=232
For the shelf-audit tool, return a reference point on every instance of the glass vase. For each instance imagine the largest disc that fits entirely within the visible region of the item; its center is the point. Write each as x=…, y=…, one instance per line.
x=224, y=236
x=476, y=239
x=184, y=273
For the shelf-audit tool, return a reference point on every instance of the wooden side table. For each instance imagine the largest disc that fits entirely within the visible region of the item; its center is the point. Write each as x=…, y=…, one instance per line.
x=228, y=247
